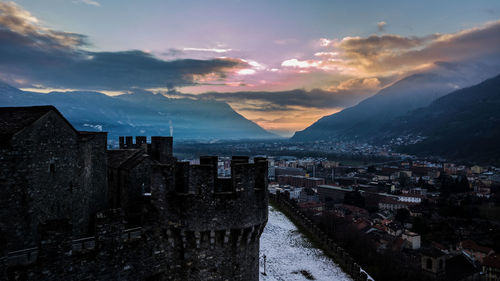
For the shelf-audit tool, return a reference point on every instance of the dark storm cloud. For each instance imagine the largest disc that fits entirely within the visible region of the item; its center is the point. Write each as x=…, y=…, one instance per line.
x=283, y=100
x=31, y=54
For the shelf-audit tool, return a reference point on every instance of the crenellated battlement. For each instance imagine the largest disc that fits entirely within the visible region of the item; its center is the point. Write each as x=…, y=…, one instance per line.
x=201, y=214
x=202, y=178
x=160, y=148
x=193, y=198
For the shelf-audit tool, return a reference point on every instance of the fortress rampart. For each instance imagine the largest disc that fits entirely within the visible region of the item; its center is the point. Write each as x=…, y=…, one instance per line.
x=219, y=219
x=339, y=255
x=194, y=225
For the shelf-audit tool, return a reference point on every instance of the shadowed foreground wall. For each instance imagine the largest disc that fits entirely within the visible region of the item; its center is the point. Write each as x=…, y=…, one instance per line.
x=59, y=218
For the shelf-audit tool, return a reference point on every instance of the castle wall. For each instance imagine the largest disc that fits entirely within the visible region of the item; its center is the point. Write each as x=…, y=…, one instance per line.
x=194, y=226
x=43, y=158
x=93, y=194
x=218, y=228
x=240, y=206
x=45, y=176
x=152, y=252
x=137, y=182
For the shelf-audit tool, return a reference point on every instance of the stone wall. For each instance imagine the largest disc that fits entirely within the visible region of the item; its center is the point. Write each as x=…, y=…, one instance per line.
x=138, y=182
x=339, y=255
x=50, y=171
x=92, y=195
x=204, y=211
x=193, y=229
x=152, y=252
x=38, y=169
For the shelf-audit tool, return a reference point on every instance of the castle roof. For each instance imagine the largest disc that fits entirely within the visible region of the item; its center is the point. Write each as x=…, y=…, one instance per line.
x=15, y=119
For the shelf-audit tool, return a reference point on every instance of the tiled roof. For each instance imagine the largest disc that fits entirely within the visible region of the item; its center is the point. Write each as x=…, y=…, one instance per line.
x=469, y=244
x=492, y=261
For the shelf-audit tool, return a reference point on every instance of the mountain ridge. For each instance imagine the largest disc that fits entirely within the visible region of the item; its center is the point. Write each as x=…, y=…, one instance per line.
x=361, y=121
x=464, y=124
x=142, y=113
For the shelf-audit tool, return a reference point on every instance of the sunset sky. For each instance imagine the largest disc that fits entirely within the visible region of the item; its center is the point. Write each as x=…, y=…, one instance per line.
x=280, y=63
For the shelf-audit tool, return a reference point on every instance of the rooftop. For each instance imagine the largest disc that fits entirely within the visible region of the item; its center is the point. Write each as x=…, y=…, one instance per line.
x=14, y=119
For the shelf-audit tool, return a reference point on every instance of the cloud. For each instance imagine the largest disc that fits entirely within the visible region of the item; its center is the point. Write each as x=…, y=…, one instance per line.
x=212, y=50
x=324, y=42
x=282, y=112
x=326, y=54
x=19, y=26
x=390, y=54
x=172, y=52
x=344, y=70
x=381, y=26
x=284, y=100
x=246, y=71
x=285, y=41
x=34, y=54
x=300, y=64
x=359, y=84
x=328, y=63
x=88, y=2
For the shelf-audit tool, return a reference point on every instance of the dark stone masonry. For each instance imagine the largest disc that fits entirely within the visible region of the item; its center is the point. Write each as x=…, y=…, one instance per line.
x=73, y=210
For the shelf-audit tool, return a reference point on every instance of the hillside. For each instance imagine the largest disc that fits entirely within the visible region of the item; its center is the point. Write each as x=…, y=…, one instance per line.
x=373, y=114
x=464, y=124
x=142, y=113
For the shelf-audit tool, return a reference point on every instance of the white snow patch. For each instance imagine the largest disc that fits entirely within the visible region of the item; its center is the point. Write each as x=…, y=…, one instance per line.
x=288, y=252
x=96, y=127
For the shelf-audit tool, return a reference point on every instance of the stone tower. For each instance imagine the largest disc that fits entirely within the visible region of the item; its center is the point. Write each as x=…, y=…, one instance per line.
x=212, y=224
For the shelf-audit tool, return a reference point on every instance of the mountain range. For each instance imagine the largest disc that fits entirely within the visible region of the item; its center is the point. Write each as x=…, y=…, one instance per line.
x=424, y=110
x=427, y=114
x=370, y=116
x=464, y=124
x=142, y=113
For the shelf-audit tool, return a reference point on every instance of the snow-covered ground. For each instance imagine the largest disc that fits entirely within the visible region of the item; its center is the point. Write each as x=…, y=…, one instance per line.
x=291, y=257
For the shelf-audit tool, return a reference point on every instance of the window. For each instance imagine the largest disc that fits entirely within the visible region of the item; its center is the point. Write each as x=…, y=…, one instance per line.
x=440, y=264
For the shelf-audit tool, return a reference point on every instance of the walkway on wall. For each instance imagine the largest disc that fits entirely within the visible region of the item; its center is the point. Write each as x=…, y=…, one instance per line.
x=290, y=256
x=321, y=240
